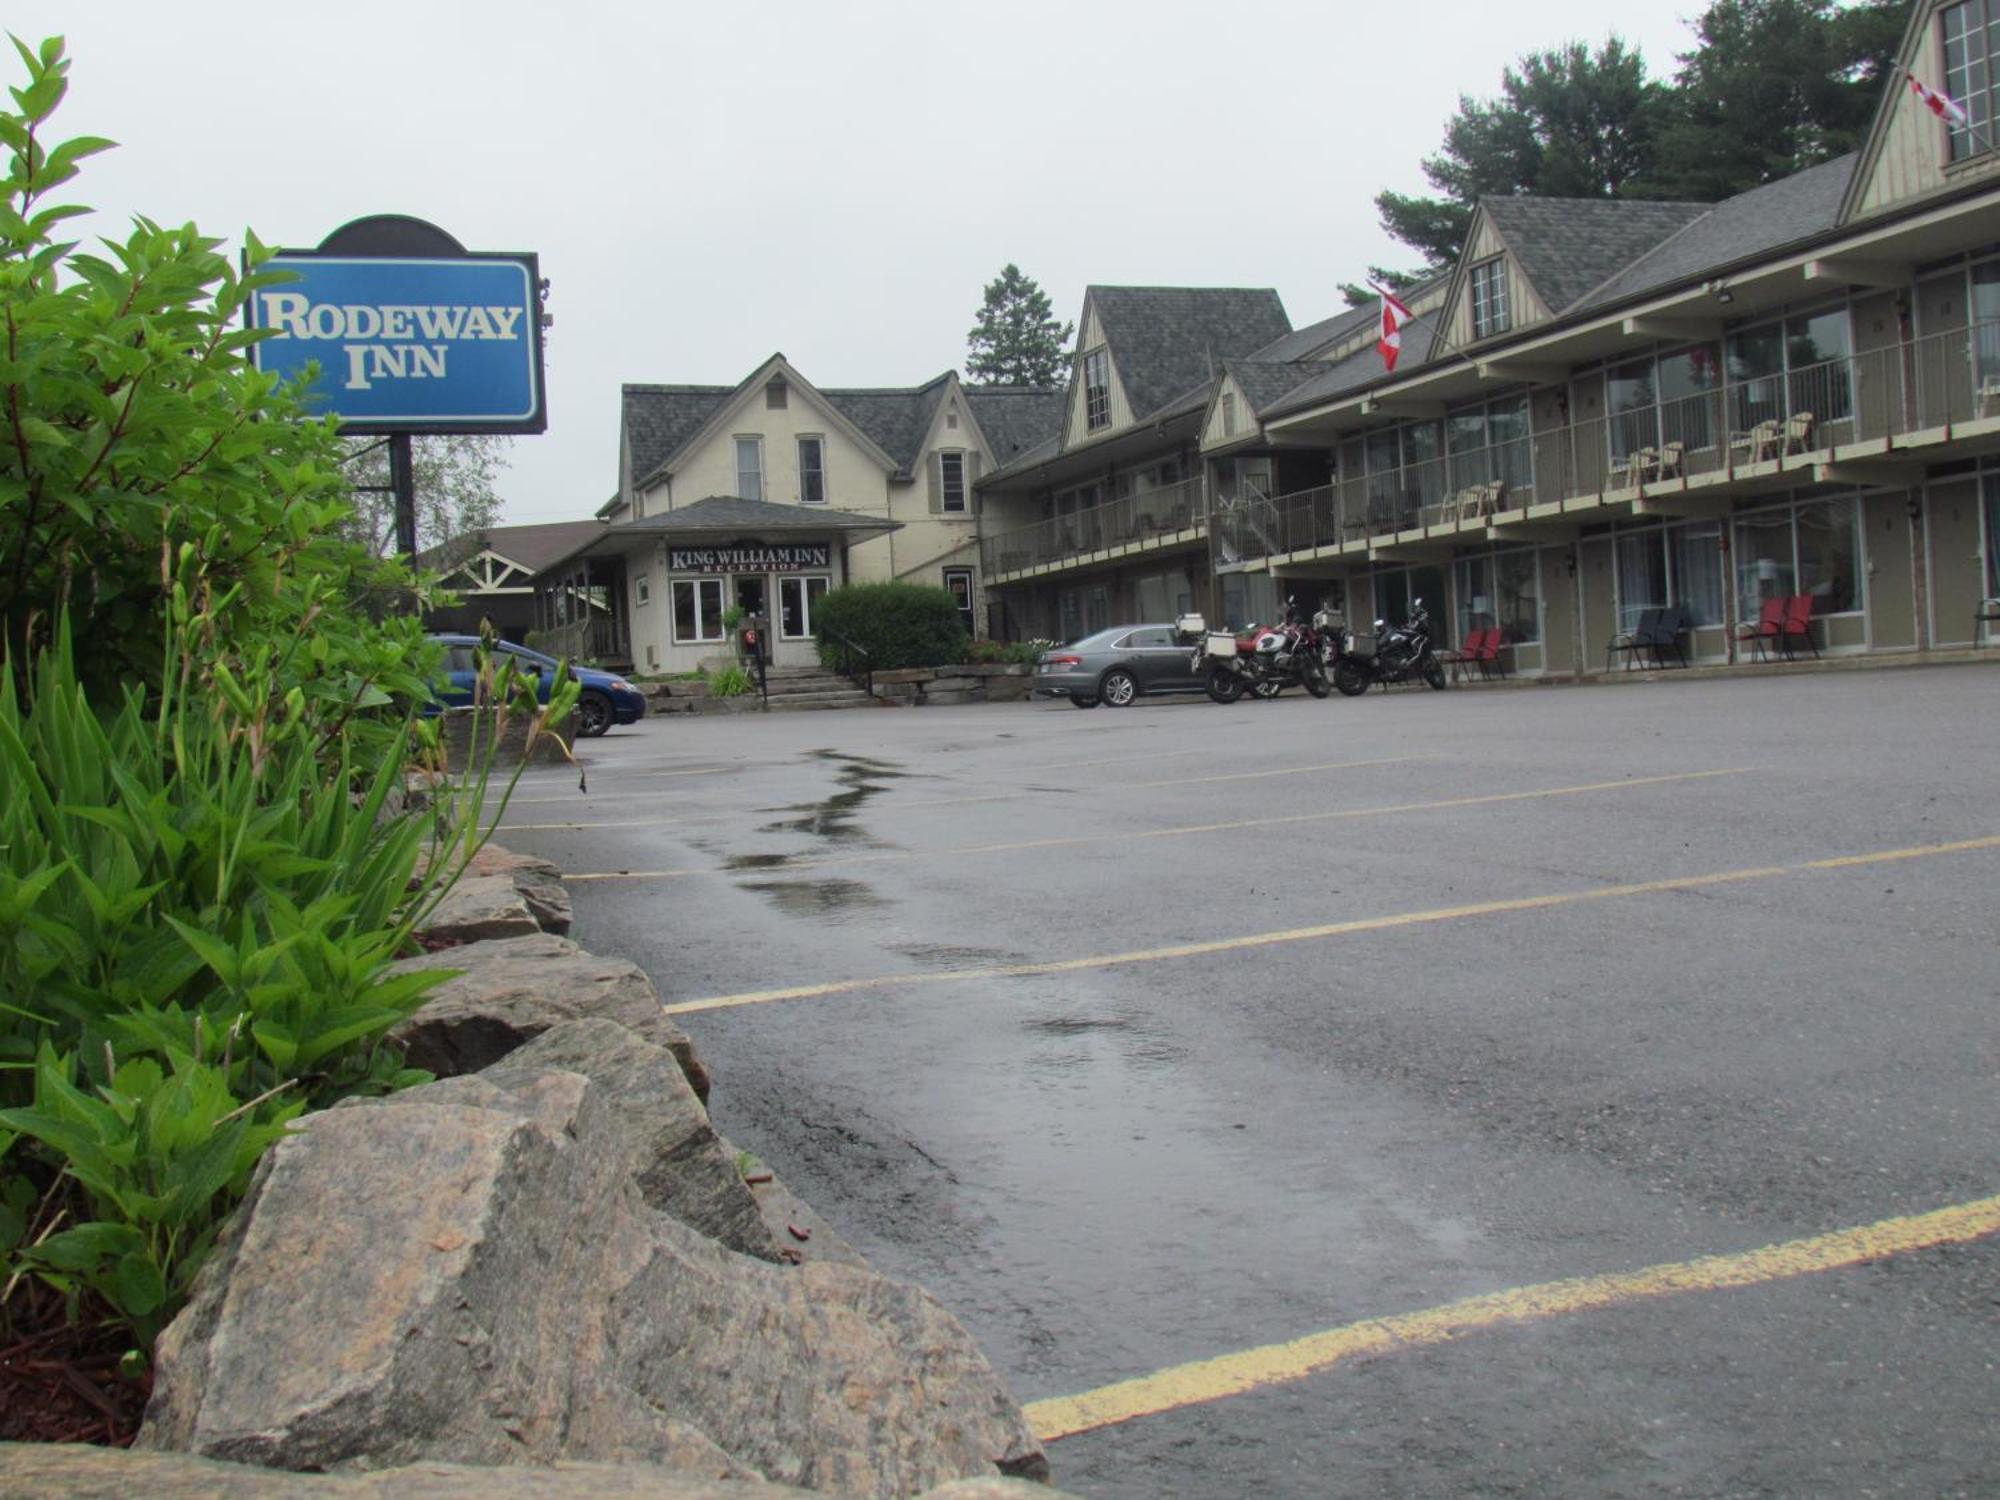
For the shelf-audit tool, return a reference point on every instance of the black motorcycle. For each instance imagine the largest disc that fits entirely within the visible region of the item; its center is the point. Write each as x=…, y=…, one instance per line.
x=1402, y=655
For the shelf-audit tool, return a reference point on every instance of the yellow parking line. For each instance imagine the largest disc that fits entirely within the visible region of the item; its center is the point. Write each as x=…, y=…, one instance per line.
x=1253, y=1369
x=1330, y=929
x=1127, y=835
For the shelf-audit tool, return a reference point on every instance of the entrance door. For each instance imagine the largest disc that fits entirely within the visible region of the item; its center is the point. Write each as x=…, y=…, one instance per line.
x=750, y=593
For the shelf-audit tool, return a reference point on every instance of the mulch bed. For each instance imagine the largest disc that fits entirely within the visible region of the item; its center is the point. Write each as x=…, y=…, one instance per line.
x=59, y=1383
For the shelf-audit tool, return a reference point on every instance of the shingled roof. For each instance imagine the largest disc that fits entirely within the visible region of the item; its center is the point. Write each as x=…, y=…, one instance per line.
x=1266, y=382
x=1168, y=340
x=533, y=547
x=1016, y=418
x=1303, y=343
x=1567, y=246
x=1737, y=229
x=659, y=420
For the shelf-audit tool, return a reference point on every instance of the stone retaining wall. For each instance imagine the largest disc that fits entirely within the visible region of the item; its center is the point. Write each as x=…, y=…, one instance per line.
x=985, y=682
x=549, y=1257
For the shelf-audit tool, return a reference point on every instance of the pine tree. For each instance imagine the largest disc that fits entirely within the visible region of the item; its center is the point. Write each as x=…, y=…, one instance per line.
x=1017, y=340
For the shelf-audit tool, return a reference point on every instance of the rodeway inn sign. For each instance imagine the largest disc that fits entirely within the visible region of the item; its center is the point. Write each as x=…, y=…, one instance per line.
x=411, y=333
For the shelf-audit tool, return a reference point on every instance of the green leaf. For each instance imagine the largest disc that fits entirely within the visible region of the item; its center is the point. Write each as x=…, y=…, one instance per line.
x=137, y=1284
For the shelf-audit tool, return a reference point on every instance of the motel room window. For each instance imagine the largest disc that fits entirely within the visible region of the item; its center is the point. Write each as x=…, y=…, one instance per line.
x=1971, y=52
x=812, y=471
x=750, y=468
x=1097, y=389
x=1811, y=547
x=796, y=598
x=697, y=610
x=951, y=479
x=1489, y=298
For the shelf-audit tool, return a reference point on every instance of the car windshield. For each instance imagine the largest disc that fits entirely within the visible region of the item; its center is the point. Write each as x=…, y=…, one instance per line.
x=526, y=655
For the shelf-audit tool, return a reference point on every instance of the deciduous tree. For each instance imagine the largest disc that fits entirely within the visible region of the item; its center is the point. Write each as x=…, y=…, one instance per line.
x=455, y=480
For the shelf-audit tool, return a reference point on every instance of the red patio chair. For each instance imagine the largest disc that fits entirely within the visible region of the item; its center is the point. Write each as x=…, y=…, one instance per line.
x=1487, y=657
x=1764, y=636
x=1796, y=624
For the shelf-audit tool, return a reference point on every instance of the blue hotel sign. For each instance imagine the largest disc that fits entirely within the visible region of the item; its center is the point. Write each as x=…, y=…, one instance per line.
x=408, y=343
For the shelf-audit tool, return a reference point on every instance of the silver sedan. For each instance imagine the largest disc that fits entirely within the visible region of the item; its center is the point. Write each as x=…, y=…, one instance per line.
x=1117, y=665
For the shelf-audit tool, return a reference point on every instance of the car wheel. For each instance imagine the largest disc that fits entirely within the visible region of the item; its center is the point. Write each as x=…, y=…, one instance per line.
x=593, y=715
x=1117, y=688
x=1081, y=701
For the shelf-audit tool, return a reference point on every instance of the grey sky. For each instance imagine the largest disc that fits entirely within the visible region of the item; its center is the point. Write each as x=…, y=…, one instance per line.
x=707, y=184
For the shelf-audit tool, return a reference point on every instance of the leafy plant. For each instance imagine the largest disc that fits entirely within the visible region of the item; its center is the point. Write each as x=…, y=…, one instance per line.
x=730, y=682
x=1010, y=653
x=733, y=616
x=898, y=624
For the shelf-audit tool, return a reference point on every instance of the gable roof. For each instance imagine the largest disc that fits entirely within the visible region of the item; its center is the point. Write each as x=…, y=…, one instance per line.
x=533, y=547
x=1303, y=343
x=1169, y=341
x=1749, y=225
x=1265, y=382
x=659, y=420
x=1361, y=368
x=1566, y=246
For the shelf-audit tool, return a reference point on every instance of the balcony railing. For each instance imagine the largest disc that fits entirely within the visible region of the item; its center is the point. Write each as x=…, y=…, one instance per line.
x=1145, y=516
x=1748, y=428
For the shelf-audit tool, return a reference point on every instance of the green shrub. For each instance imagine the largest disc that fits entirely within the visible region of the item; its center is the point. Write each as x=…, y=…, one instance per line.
x=1008, y=653
x=897, y=624
x=730, y=682
x=206, y=861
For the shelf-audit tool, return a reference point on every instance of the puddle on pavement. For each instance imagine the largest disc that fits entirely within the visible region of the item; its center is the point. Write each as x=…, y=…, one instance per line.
x=1071, y=1044
x=815, y=898
x=756, y=862
x=948, y=956
x=834, y=819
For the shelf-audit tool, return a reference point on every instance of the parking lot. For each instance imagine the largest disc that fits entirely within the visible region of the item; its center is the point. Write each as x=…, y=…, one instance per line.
x=1395, y=1096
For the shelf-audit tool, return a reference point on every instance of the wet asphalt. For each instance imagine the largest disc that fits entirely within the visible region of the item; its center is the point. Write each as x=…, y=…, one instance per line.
x=1111, y=1170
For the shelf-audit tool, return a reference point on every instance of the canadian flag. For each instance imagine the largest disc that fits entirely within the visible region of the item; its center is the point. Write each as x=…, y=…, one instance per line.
x=1394, y=316
x=1942, y=105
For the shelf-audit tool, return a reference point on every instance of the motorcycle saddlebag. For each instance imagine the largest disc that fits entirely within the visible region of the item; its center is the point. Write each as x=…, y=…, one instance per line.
x=1220, y=643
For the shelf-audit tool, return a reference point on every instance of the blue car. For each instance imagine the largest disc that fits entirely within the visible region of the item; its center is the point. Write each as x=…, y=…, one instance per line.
x=605, y=700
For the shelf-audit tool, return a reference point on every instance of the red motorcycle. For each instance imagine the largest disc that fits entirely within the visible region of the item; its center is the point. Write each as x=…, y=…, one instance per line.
x=1262, y=661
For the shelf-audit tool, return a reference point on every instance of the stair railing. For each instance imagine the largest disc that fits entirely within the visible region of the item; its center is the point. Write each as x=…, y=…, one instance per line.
x=847, y=651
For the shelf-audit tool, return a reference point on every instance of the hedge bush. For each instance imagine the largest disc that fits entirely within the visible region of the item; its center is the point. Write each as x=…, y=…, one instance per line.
x=897, y=624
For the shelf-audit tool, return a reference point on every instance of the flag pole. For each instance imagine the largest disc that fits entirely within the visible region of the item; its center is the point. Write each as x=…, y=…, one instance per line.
x=1932, y=99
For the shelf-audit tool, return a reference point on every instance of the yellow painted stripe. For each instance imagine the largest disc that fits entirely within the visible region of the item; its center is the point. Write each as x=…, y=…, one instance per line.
x=1328, y=930
x=1254, y=1369
x=1069, y=841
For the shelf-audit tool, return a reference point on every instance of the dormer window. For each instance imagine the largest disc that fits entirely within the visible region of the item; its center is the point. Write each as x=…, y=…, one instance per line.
x=1971, y=53
x=1097, y=389
x=1489, y=298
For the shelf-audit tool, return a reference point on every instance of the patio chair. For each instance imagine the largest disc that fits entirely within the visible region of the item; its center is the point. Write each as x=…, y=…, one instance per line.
x=1989, y=396
x=1673, y=460
x=1799, y=432
x=1763, y=632
x=1761, y=441
x=1988, y=614
x=1457, y=662
x=1668, y=632
x=1796, y=624
x=1487, y=656
x=1629, y=643
x=1635, y=468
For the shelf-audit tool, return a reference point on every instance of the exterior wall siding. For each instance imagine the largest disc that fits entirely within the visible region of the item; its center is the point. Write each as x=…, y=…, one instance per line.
x=1914, y=149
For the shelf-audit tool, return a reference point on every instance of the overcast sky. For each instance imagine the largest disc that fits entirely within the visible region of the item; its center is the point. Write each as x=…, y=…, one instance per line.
x=707, y=184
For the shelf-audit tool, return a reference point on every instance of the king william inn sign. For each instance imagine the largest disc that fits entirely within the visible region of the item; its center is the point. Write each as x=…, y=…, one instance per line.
x=747, y=558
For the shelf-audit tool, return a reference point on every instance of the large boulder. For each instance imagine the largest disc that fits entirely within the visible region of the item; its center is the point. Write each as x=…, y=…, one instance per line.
x=510, y=992
x=472, y=1272
x=77, y=1471
x=479, y=907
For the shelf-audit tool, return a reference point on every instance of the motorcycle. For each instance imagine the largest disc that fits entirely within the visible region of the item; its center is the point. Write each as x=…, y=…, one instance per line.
x=1263, y=662
x=1405, y=654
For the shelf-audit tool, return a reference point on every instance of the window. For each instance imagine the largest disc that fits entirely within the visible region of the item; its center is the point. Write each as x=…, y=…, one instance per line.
x=812, y=471
x=697, y=609
x=1405, y=471
x=951, y=480
x=958, y=583
x=1669, y=399
x=1971, y=49
x=1489, y=443
x=1489, y=298
x=775, y=395
x=642, y=590
x=1097, y=389
x=750, y=468
x=1799, y=367
x=796, y=598
x=1809, y=547
x=1504, y=589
